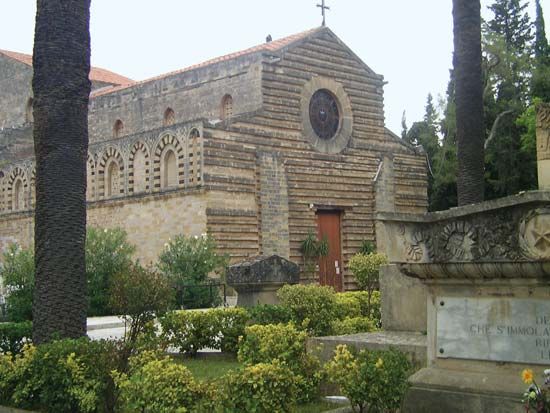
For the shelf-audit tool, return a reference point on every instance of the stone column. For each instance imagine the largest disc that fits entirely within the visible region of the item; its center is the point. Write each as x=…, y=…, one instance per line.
x=543, y=145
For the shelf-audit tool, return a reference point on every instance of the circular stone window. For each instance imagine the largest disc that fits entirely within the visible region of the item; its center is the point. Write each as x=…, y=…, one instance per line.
x=326, y=113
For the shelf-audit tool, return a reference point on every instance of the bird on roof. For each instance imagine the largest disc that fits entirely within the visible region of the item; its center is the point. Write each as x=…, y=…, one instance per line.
x=268, y=38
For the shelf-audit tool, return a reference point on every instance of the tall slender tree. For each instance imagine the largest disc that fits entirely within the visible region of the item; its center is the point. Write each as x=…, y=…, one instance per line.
x=469, y=101
x=61, y=87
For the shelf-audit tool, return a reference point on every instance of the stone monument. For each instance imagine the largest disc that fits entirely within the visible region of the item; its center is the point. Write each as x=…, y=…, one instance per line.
x=486, y=272
x=257, y=279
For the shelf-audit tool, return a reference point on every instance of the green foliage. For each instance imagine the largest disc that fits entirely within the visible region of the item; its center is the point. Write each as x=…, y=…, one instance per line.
x=156, y=386
x=367, y=247
x=187, y=261
x=365, y=268
x=14, y=335
x=107, y=253
x=369, y=306
x=61, y=376
x=191, y=331
x=347, y=305
x=261, y=388
x=312, y=306
x=311, y=249
x=232, y=322
x=374, y=381
x=284, y=343
x=353, y=325
x=269, y=314
x=17, y=272
x=141, y=295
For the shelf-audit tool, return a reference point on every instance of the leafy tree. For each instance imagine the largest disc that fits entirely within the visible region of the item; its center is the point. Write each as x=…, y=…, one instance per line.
x=508, y=46
x=61, y=90
x=107, y=254
x=17, y=271
x=187, y=262
x=469, y=102
x=540, y=83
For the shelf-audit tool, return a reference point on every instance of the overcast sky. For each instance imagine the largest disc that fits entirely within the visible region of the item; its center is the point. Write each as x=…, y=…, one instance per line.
x=407, y=41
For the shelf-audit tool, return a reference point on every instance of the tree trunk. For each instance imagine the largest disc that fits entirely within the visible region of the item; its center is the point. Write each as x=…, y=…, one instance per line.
x=469, y=100
x=61, y=88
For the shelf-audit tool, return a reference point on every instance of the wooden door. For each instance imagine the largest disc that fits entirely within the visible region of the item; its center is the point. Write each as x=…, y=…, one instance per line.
x=330, y=267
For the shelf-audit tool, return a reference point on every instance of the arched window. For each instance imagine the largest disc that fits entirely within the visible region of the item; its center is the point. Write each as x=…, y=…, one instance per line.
x=170, y=170
x=169, y=117
x=29, y=118
x=227, y=107
x=118, y=128
x=18, y=195
x=139, y=172
x=112, y=180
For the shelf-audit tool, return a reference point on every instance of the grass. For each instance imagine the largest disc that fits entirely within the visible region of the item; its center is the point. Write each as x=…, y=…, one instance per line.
x=207, y=366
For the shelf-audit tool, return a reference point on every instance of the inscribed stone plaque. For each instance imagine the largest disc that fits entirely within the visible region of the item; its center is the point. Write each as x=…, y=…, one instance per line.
x=495, y=329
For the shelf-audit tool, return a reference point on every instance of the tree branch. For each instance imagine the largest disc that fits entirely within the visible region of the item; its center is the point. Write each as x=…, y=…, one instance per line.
x=495, y=126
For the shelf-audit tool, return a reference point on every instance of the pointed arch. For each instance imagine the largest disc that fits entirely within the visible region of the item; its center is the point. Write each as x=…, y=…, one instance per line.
x=169, y=170
x=118, y=129
x=139, y=169
x=169, y=117
x=110, y=174
x=227, y=107
x=17, y=188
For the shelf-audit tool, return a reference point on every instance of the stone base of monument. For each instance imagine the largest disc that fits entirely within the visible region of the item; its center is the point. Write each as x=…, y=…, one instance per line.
x=257, y=279
x=444, y=390
x=412, y=344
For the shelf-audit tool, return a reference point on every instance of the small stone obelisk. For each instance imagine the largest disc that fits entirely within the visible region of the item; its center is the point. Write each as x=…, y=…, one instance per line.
x=543, y=145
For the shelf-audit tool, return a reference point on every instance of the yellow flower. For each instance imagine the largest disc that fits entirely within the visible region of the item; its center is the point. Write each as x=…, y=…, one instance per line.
x=379, y=363
x=527, y=376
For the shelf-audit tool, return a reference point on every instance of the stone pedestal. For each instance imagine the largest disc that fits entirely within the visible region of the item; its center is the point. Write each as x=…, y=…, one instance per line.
x=257, y=279
x=486, y=271
x=543, y=146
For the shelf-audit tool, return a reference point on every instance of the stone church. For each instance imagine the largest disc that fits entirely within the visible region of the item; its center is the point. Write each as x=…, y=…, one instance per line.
x=256, y=148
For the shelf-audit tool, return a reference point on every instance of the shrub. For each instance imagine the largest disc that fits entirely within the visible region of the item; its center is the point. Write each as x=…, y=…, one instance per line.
x=232, y=323
x=283, y=342
x=14, y=335
x=61, y=376
x=187, y=261
x=156, y=386
x=262, y=388
x=373, y=380
x=353, y=325
x=347, y=306
x=269, y=314
x=190, y=331
x=313, y=307
x=365, y=268
x=107, y=253
x=366, y=309
x=141, y=295
x=17, y=272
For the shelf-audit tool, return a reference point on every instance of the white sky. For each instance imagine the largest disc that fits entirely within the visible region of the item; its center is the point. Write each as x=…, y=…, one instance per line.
x=407, y=41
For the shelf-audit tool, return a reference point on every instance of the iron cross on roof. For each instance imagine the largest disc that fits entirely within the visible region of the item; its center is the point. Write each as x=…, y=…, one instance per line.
x=323, y=8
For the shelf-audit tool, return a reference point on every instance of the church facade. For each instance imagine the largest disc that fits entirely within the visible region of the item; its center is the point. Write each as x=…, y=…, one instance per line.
x=256, y=148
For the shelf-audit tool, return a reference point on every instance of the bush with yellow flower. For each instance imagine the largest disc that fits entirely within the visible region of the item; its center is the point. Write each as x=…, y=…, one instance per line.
x=373, y=381
x=535, y=398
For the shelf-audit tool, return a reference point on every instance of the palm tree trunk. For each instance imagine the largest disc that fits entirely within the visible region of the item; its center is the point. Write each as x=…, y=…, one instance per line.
x=61, y=88
x=469, y=100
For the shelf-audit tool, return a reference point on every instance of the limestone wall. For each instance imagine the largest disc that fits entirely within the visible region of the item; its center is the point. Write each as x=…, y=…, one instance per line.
x=190, y=94
x=15, y=90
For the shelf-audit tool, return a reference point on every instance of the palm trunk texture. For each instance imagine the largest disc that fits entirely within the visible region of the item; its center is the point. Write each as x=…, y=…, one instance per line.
x=61, y=88
x=469, y=100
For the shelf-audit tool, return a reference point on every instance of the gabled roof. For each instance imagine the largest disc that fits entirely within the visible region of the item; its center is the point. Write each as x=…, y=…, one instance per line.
x=96, y=74
x=273, y=46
